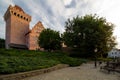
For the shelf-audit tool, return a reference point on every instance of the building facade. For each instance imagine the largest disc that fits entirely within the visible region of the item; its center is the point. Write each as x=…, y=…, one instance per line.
x=33, y=36
x=18, y=33
x=114, y=53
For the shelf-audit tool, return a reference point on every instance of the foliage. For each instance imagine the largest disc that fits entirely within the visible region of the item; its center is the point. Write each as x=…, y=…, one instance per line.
x=2, y=43
x=105, y=59
x=13, y=61
x=88, y=33
x=49, y=40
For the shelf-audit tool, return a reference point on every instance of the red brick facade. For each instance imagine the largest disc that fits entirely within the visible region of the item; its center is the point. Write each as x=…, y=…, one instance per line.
x=33, y=36
x=18, y=34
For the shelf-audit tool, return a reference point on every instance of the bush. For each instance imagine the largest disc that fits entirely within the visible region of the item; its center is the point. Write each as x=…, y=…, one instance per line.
x=2, y=43
x=104, y=59
x=71, y=61
x=13, y=61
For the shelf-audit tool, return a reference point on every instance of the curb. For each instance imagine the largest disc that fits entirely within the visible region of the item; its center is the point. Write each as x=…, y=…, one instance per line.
x=18, y=76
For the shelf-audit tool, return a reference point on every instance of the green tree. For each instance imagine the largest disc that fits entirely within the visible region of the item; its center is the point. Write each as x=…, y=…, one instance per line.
x=89, y=33
x=49, y=40
x=2, y=43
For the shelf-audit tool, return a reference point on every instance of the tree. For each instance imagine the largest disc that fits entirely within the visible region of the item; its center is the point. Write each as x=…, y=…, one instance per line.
x=2, y=43
x=49, y=40
x=88, y=33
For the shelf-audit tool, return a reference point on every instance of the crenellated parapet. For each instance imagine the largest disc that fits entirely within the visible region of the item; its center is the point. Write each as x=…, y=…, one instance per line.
x=18, y=12
x=18, y=33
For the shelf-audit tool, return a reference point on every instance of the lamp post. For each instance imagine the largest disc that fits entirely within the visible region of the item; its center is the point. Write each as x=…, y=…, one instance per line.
x=95, y=57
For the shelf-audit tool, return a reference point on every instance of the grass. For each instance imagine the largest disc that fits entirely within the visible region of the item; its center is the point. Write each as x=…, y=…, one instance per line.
x=13, y=61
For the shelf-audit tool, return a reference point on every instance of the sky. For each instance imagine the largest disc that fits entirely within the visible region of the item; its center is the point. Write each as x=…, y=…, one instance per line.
x=54, y=13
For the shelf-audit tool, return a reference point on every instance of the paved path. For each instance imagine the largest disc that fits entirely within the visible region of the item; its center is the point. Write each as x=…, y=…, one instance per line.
x=84, y=72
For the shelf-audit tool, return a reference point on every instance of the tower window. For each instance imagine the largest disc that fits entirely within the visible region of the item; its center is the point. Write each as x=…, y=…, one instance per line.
x=21, y=16
x=24, y=17
x=15, y=13
x=18, y=15
x=27, y=19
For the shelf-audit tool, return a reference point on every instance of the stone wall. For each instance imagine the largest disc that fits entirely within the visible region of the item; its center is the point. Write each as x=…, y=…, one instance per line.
x=22, y=75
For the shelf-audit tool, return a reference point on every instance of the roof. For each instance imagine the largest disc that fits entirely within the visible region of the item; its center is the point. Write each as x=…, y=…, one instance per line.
x=39, y=23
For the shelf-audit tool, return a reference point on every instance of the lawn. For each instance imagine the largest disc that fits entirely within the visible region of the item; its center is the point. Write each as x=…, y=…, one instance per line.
x=14, y=61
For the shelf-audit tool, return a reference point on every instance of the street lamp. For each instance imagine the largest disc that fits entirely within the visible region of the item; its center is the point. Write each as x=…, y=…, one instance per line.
x=95, y=57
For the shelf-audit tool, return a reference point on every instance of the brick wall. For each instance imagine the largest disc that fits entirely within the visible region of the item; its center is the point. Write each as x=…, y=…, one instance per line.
x=33, y=36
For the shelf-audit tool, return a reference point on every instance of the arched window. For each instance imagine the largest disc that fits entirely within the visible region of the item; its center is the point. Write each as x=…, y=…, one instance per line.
x=15, y=13
x=21, y=16
x=24, y=18
x=27, y=19
x=18, y=15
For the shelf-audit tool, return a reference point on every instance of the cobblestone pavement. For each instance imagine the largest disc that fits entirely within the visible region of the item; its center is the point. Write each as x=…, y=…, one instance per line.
x=83, y=72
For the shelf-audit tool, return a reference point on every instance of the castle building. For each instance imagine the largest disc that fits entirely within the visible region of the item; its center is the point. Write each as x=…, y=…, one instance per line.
x=18, y=33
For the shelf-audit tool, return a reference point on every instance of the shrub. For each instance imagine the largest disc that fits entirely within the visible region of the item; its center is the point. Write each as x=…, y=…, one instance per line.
x=104, y=59
x=13, y=61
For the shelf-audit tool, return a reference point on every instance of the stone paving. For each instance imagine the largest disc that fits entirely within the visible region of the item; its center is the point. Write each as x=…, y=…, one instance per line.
x=83, y=72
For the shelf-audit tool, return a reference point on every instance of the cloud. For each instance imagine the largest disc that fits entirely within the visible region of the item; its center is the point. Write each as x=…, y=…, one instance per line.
x=54, y=13
x=3, y=7
x=67, y=2
x=2, y=27
x=71, y=4
x=50, y=16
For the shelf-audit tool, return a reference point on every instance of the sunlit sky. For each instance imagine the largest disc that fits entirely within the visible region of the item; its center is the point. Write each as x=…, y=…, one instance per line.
x=54, y=13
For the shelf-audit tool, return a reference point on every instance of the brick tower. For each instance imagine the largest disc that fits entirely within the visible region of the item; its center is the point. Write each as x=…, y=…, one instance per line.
x=17, y=25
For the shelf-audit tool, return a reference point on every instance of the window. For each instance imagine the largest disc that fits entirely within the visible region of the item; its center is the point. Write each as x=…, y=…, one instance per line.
x=15, y=13
x=27, y=19
x=18, y=15
x=24, y=18
x=21, y=16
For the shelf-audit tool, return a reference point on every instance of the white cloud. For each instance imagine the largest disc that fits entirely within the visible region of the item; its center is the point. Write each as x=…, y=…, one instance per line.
x=49, y=15
x=7, y=2
x=3, y=7
x=53, y=13
x=67, y=2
